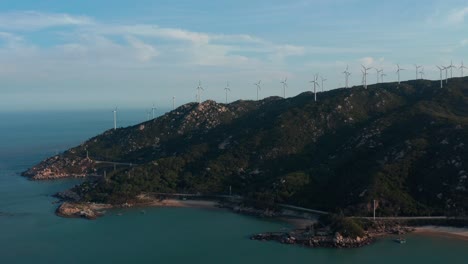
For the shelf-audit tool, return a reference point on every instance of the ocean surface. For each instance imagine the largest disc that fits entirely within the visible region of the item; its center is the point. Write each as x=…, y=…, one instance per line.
x=31, y=233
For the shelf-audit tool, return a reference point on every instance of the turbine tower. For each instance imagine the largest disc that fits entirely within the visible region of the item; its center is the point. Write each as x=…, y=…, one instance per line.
x=199, y=90
x=115, y=118
x=315, y=82
x=258, y=84
x=398, y=72
x=364, y=75
x=378, y=74
x=347, y=74
x=451, y=66
x=148, y=115
x=461, y=69
x=323, y=80
x=441, y=79
x=227, y=89
x=421, y=72
x=446, y=73
x=152, y=110
x=382, y=75
x=173, y=102
x=285, y=85
x=417, y=70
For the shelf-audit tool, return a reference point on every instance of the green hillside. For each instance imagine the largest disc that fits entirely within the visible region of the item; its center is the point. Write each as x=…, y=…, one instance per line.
x=405, y=146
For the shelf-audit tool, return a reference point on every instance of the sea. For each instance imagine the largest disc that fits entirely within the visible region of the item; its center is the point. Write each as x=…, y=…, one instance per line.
x=30, y=232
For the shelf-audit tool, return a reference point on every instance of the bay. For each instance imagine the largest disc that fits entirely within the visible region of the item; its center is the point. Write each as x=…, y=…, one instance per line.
x=31, y=233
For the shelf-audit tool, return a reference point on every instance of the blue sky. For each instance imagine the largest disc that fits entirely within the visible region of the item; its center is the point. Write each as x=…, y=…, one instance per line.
x=98, y=54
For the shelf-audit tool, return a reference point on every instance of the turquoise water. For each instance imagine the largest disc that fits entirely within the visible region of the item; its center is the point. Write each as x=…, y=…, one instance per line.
x=31, y=233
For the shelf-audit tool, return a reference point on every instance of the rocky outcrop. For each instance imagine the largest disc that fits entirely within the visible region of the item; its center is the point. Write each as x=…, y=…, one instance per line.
x=61, y=166
x=82, y=210
x=304, y=238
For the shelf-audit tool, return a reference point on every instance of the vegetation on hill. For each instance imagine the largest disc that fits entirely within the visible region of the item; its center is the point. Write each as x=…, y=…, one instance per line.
x=404, y=146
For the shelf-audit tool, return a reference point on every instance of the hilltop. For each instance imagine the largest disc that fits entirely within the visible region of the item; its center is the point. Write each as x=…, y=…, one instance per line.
x=402, y=145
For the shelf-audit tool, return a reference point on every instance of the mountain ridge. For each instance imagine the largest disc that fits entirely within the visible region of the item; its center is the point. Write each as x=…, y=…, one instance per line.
x=389, y=142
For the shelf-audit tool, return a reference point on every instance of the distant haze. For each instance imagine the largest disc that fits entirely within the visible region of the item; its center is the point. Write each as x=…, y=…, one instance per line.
x=98, y=54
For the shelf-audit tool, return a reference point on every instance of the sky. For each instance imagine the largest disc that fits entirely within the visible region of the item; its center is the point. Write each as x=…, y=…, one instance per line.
x=88, y=54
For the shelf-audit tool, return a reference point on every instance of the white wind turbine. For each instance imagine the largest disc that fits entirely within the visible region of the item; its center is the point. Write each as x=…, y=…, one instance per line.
x=364, y=75
x=362, y=79
x=227, y=89
x=441, y=69
x=398, y=72
x=347, y=74
x=377, y=71
x=417, y=70
x=152, y=111
x=285, y=85
x=451, y=66
x=446, y=73
x=173, y=102
x=421, y=72
x=323, y=80
x=315, y=82
x=115, y=118
x=199, y=90
x=258, y=85
x=382, y=75
x=148, y=115
x=461, y=69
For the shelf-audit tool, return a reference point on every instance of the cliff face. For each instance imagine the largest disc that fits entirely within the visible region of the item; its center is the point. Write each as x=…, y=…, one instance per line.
x=404, y=146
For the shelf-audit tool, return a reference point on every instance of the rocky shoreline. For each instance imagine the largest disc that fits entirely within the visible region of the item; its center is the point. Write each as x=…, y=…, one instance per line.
x=89, y=211
x=309, y=237
x=303, y=238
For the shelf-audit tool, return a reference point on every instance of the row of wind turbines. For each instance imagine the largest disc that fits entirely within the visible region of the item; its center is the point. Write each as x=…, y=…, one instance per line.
x=419, y=70
x=365, y=72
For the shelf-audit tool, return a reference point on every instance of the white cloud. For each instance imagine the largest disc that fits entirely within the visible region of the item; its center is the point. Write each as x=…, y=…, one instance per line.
x=31, y=20
x=457, y=16
x=367, y=61
x=145, y=52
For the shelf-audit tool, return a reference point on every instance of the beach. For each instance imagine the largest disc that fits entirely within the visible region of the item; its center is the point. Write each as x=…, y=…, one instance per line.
x=443, y=231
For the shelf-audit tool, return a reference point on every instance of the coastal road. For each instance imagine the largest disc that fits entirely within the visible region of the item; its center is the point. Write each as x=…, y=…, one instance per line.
x=404, y=218
x=114, y=163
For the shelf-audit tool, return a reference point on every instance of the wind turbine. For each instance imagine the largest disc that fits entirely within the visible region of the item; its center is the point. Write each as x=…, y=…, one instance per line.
x=441, y=79
x=451, y=66
x=199, y=90
x=315, y=82
x=285, y=85
x=461, y=68
x=323, y=80
x=364, y=74
x=417, y=70
x=227, y=89
x=398, y=72
x=382, y=75
x=446, y=74
x=148, y=115
x=347, y=74
x=258, y=84
x=173, y=102
x=362, y=79
x=115, y=118
x=378, y=74
x=152, y=110
x=422, y=72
